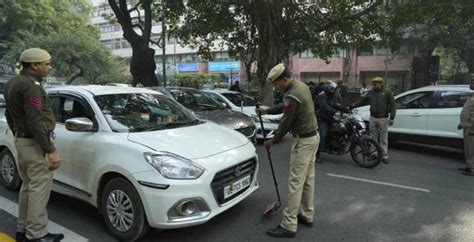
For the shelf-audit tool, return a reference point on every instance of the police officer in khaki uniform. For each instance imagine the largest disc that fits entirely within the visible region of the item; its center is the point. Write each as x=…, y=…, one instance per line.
x=467, y=125
x=382, y=113
x=300, y=120
x=29, y=116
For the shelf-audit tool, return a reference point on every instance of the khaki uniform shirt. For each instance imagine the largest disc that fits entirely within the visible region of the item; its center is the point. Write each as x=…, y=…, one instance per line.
x=28, y=110
x=467, y=115
x=298, y=112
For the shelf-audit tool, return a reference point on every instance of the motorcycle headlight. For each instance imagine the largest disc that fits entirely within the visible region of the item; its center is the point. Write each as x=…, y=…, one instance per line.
x=173, y=166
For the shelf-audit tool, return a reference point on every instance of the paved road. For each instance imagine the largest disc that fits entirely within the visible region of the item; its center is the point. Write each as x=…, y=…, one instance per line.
x=419, y=196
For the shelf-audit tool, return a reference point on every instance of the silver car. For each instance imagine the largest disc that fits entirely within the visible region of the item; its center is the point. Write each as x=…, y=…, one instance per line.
x=208, y=108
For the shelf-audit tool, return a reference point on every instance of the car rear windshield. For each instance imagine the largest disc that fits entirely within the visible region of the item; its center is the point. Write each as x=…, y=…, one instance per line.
x=239, y=99
x=138, y=112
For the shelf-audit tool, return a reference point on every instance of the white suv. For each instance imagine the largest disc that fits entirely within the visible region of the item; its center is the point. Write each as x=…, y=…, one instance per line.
x=142, y=159
x=428, y=115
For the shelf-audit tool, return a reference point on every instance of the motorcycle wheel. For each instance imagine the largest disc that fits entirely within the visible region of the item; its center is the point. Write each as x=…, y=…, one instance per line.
x=366, y=152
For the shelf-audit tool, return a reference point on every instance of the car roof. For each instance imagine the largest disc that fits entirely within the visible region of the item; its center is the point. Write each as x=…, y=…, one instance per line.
x=103, y=90
x=222, y=91
x=444, y=88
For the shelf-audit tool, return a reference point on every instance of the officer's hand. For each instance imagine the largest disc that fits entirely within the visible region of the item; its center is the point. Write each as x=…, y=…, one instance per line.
x=459, y=127
x=390, y=122
x=268, y=144
x=54, y=160
x=260, y=111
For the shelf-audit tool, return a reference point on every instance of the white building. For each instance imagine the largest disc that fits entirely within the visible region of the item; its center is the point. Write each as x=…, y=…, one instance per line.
x=179, y=59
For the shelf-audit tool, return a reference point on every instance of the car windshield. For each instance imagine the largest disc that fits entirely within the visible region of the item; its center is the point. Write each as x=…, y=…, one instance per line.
x=196, y=100
x=137, y=112
x=237, y=98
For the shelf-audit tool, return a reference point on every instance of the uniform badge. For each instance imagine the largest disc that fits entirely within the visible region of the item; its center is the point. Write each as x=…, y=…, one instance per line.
x=287, y=108
x=36, y=101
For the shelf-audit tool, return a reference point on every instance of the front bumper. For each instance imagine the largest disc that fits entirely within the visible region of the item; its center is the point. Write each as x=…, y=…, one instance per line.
x=161, y=204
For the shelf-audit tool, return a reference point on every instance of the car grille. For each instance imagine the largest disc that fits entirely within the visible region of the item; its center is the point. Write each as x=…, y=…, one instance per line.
x=231, y=174
x=247, y=131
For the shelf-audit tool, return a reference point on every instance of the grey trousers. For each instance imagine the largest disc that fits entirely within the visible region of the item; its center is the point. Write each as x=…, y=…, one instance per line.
x=469, y=149
x=379, y=130
x=35, y=190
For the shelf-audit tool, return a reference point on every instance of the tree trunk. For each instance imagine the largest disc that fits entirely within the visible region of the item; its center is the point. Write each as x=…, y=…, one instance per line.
x=421, y=68
x=267, y=15
x=142, y=65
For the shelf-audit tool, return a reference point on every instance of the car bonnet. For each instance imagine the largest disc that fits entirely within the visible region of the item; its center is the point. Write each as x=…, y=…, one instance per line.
x=227, y=118
x=191, y=142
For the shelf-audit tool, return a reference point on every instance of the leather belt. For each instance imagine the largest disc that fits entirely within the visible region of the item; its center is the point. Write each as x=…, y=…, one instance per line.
x=24, y=135
x=307, y=135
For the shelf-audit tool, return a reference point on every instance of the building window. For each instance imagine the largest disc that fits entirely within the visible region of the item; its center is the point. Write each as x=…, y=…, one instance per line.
x=306, y=54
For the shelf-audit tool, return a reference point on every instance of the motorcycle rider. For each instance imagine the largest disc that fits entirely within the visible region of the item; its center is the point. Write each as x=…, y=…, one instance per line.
x=328, y=107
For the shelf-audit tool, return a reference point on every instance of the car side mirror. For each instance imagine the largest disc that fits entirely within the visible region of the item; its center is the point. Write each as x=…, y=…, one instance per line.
x=223, y=105
x=79, y=124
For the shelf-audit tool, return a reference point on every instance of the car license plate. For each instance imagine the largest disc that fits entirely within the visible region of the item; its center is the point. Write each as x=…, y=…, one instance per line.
x=236, y=186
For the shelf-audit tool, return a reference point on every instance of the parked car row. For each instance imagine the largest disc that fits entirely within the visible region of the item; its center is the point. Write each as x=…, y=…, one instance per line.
x=141, y=158
x=428, y=115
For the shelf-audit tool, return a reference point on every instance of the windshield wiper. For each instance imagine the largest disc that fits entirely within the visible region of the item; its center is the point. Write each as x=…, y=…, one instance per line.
x=172, y=125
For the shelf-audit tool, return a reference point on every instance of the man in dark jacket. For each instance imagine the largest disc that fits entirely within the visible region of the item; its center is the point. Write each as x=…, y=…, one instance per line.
x=328, y=107
x=235, y=87
x=382, y=112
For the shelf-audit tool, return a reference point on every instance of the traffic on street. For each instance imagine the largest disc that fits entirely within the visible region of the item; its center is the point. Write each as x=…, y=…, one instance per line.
x=419, y=196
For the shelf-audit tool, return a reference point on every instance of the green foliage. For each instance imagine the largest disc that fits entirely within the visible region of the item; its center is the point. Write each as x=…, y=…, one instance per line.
x=21, y=19
x=435, y=23
x=193, y=80
x=60, y=27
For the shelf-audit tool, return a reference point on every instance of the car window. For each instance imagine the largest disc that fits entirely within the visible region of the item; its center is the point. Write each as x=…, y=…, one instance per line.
x=65, y=108
x=416, y=100
x=196, y=100
x=452, y=99
x=237, y=98
x=217, y=97
x=136, y=112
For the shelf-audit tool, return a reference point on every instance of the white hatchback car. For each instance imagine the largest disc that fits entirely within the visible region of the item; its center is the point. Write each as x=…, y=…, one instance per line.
x=141, y=159
x=428, y=115
x=242, y=103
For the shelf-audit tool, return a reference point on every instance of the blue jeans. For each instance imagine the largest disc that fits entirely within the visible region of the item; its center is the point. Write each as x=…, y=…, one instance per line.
x=323, y=131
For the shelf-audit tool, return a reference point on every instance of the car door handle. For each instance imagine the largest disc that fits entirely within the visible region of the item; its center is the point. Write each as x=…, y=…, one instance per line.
x=415, y=115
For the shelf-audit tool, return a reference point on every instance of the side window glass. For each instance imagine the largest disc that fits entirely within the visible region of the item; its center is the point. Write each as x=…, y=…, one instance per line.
x=65, y=108
x=452, y=99
x=417, y=100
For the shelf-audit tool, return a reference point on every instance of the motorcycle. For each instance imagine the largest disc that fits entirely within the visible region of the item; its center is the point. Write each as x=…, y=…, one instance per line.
x=348, y=133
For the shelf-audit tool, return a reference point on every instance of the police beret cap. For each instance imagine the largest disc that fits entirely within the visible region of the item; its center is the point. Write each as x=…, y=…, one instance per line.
x=377, y=79
x=275, y=72
x=34, y=55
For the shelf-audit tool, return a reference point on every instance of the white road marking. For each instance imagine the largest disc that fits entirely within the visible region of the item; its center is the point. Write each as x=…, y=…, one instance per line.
x=380, y=183
x=12, y=208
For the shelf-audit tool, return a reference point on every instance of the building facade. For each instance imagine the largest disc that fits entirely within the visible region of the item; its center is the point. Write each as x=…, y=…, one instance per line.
x=354, y=66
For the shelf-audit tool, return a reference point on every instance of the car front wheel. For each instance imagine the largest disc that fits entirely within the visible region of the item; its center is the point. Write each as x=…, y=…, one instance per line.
x=9, y=177
x=123, y=211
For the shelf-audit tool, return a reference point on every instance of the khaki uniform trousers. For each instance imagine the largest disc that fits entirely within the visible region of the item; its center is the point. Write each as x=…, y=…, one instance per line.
x=469, y=148
x=379, y=130
x=301, y=182
x=35, y=190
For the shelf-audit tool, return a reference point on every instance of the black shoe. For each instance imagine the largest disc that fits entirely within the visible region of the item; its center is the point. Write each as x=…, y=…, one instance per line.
x=49, y=238
x=468, y=173
x=280, y=232
x=385, y=161
x=304, y=222
x=464, y=169
x=20, y=237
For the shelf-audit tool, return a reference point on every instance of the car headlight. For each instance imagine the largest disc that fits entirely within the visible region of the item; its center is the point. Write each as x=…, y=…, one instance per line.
x=257, y=120
x=173, y=166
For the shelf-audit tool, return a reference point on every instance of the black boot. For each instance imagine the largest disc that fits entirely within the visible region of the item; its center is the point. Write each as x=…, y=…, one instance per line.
x=20, y=237
x=280, y=232
x=49, y=238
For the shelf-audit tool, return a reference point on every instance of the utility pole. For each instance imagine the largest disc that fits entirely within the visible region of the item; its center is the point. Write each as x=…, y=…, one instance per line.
x=385, y=79
x=163, y=37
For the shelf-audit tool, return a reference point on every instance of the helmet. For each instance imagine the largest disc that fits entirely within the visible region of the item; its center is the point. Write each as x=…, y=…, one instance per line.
x=329, y=86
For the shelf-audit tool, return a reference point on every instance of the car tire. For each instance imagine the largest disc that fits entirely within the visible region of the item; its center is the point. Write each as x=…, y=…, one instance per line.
x=9, y=177
x=120, y=200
